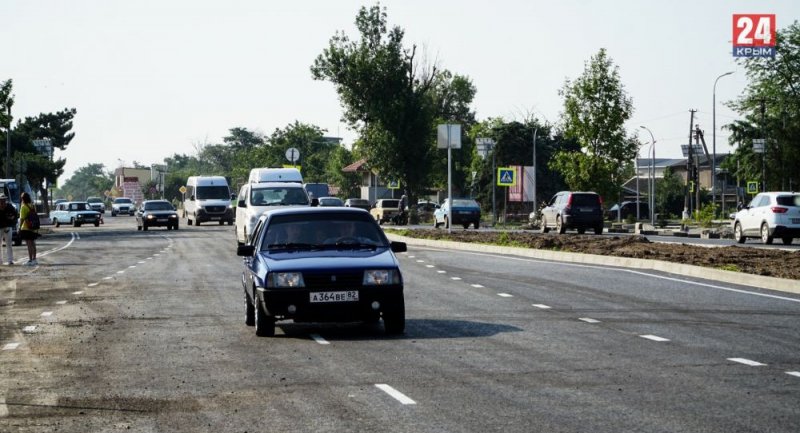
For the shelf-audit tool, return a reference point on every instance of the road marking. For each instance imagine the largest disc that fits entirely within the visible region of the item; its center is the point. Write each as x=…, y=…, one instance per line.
x=505, y=295
x=441, y=272
x=411, y=257
x=132, y=267
x=589, y=320
x=79, y=292
x=542, y=306
x=318, y=338
x=420, y=261
x=29, y=329
x=477, y=286
x=455, y=278
x=61, y=303
x=149, y=258
x=120, y=272
x=746, y=362
x=77, y=235
x=141, y=262
x=397, y=395
x=92, y=284
x=156, y=255
x=47, y=314
x=654, y=338
x=430, y=266
x=163, y=251
x=10, y=346
x=793, y=373
x=108, y=278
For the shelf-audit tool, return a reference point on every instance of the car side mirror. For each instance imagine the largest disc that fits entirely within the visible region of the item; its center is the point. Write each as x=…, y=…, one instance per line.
x=399, y=247
x=245, y=250
x=233, y=196
x=314, y=201
x=241, y=203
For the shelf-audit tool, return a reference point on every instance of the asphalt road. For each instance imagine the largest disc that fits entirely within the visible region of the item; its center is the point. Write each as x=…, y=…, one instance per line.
x=144, y=331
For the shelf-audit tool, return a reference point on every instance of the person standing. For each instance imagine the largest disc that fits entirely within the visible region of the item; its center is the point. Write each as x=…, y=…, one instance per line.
x=26, y=232
x=8, y=220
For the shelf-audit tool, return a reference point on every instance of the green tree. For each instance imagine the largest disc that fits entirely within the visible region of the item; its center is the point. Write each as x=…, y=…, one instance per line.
x=390, y=98
x=91, y=180
x=596, y=108
x=669, y=194
x=770, y=105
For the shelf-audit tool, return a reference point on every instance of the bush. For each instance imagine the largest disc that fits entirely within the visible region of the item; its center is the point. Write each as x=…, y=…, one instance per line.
x=630, y=219
x=706, y=214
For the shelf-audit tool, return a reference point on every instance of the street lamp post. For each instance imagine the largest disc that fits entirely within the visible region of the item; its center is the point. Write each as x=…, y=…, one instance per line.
x=652, y=186
x=714, y=141
x=8, y=141
x=535, y=131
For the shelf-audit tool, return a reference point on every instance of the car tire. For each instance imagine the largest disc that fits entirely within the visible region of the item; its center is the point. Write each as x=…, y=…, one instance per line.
x=113, y=214
x=144, y=226
x=265, y=325
x=221, y=222
x=175, y=226
x=446, y=222
x=738, y=235
x=249, y=311
x=765, y=237
x=543, y=226
x=477, y=225
x=598, y=230
x=57, y=224
x=560, y=227
x=138, y=228
x=581, y=230
x=97, y=223
x=465, y=225
x=394, y=319
x=787, y=241
x=435, y=223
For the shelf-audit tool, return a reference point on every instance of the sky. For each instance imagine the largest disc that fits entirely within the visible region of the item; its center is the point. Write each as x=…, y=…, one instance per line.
x=154, y=78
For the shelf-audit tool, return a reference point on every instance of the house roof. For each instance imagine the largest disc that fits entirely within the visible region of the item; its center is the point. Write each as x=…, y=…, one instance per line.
x=358, y=166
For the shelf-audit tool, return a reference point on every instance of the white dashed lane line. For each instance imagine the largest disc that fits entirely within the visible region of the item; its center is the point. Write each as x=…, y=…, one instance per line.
x=61, y=303
x=47, y=314
x=395, y=394
x=318, y=338
x=455, y=278
x=746, y=362
x=430, y=266
x=477, y=286
x=793, y=373
x=11, y=346
x=108, y=278
x=29, y=329
x=542, y=306
x=441, y=272
x=79, y=292
x=588, y=320
x=92, y=284
x=654, y=338
x=505, y=295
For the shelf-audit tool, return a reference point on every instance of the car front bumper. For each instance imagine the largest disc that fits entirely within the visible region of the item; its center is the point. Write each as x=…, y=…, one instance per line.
x=277, y=303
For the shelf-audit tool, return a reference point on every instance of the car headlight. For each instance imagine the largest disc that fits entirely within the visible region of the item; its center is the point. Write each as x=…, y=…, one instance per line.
x=80, y=217
x=380, y=277
x=173, y=216
x=286, y=279
x=151, y=216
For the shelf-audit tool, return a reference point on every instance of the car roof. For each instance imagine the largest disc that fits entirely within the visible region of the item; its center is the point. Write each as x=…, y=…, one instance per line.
x=304, y=210
x=156, y=200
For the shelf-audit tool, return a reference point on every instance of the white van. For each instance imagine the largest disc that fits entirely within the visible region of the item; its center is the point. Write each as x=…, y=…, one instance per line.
x=256, y=197
x=207, y=198
x=258, y=175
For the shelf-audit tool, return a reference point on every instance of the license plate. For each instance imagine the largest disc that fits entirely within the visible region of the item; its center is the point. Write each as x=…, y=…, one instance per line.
x=585, y=209
x=795, y=220
x=214, y=218
x=346, y=296
x=464, y=212
x=162, y=220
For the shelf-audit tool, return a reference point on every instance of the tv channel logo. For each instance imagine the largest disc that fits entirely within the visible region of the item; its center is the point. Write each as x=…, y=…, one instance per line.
x=754, y=35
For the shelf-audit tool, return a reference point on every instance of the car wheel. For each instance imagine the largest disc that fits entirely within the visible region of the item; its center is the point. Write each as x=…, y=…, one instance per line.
x=139, y=228
x=446, y=222
x=175, y=227
x=58, y=224
x=465, y=225
x=738, y=235
x=765, y=237
x=265, y=325
x=560, y=227
x=144, y=226
x=435, y=223
x=249, y=311
x=581, y=231
x=543, y=226
x=188, y=221
x=97, y=223
x=787, y=241
x=394, y=319
x=477, y=225
x=598, y=230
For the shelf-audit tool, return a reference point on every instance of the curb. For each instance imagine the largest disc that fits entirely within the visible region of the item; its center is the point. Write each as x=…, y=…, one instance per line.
x=759, y=281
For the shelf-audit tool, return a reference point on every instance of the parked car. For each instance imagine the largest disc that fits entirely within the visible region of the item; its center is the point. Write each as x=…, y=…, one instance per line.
x=426, y=206
x=769, y=215
x=156, y=213
x=321, y=264
x=465, y=211
x=573, y=210
x=357, y=202
x=75, y=213
x=330, y=201
x=384, y=209
x=122, y=205
x=97, y=204
x=628, y=208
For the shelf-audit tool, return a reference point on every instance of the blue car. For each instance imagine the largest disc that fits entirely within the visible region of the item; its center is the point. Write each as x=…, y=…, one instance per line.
x=465, y=211
x=321, y=264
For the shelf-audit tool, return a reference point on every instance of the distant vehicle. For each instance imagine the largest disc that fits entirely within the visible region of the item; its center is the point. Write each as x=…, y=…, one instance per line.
x=330, y=201
x=208, y=198
x=357, y=202
x=156, y=213
x=75, y=213
x=317, y=190
x=769, y=215
x=426, y=206
x=321, y=264
x=97, y=204
x=573, y=210
x=122, y=205
x=629, y=208
x=464, y=211
x=384, y=209
x=255, y=198
x=59, y=200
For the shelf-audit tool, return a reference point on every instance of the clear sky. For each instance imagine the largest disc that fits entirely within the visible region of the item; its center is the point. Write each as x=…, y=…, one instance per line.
x=151, y=78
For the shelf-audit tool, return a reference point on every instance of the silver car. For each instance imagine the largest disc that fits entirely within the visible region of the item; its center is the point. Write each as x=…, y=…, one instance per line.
x=769, y=215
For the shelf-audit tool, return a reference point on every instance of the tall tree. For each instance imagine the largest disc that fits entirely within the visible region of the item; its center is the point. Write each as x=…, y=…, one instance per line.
x=770, y=105
x=388, y=96
x=596, y=108
x=91, y=180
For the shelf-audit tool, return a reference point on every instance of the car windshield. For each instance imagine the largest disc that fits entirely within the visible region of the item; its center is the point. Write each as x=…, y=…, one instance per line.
x=788, y=200
x=322, y=231
x=122, y=201
x=358, y=202
x=390, y=203
x=94, y=200
x=464, y=203
x=159, y=205
x=220, y=192
x=330, y=202
x=77, y=206
x=278, y=196
x=585, y=200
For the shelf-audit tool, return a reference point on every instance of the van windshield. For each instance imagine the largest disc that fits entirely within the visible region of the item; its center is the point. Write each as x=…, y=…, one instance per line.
x=278, y=196
x=219, y=192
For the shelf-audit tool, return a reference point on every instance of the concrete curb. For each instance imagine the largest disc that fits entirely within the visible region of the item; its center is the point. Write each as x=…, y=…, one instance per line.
x=759, y=281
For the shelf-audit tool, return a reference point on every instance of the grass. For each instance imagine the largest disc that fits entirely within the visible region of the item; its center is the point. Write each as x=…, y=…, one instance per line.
x=732, y=268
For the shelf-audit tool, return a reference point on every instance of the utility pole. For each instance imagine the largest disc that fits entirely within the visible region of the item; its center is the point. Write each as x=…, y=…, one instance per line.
x=763, y=154
x=687, y=193
x=697, y=173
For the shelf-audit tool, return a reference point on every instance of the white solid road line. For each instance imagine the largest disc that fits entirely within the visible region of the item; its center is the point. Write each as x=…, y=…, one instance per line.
x=29, y=329
x=477, y=286
x=318, y=338
x=505, y=295
x=542, y=306
x=47, y=314
x=793, y=373
x=746, y=362
x=397, y=395
x=61, y=302
x=654, y=338
x=588, y=320
x=79, y=292
x=11, y=346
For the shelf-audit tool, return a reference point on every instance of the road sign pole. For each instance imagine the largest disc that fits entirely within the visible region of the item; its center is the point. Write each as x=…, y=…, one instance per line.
x=449, y=222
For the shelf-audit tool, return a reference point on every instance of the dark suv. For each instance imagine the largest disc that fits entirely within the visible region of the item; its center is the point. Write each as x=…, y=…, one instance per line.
x=573, y=210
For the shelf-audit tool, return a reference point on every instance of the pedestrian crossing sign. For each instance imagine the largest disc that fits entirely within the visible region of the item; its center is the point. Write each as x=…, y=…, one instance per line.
x=393, y=184
x=506, y=176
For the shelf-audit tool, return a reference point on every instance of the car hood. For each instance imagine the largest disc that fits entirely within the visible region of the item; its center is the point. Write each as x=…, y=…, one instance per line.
x=160, y=212
x=329, y=259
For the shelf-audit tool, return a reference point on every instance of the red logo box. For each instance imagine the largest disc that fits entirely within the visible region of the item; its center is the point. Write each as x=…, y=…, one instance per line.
x=754, y=30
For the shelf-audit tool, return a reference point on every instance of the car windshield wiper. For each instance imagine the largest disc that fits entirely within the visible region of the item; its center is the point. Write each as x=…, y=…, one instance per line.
x=292, y=246
x=354, y=246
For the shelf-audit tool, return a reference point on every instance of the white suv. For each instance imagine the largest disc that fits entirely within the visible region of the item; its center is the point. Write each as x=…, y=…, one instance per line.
x=769, y=215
